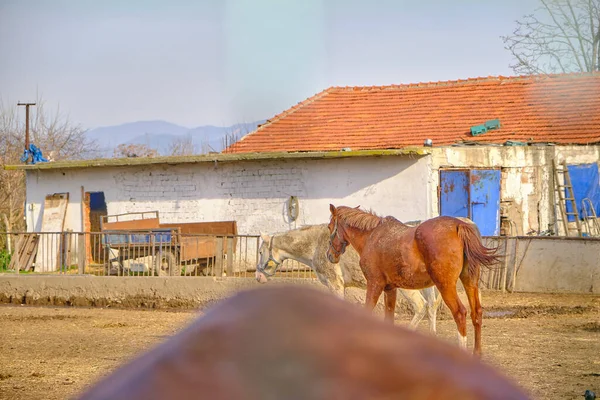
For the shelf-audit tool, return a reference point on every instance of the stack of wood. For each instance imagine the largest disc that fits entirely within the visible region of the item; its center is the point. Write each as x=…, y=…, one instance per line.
x=25, y=252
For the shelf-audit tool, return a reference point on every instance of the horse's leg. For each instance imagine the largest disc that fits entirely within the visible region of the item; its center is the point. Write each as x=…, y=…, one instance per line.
x=435, y=308
x=458, y=310
x=417, y=303
x=433, y=304
x=390, y=304
x=472, y=290
x=332, y=281
x=336, y=286
x=374, y=290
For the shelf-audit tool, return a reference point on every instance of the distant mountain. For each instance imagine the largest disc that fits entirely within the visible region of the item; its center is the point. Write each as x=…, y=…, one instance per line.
x=160, y=135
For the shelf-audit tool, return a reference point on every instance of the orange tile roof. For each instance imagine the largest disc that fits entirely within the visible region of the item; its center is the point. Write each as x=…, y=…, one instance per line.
x=561, y=109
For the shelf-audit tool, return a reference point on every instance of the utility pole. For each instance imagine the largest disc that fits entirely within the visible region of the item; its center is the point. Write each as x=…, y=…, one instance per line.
x=26, y=122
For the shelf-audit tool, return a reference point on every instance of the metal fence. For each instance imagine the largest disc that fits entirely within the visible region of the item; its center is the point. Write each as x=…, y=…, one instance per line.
x=138, y=253
x=151, y=253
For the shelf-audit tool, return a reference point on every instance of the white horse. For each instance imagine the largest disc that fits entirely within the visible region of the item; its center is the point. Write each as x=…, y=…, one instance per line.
x=308, y=245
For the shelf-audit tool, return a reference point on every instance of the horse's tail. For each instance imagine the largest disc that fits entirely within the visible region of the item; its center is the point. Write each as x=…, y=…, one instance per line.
x=476, y=253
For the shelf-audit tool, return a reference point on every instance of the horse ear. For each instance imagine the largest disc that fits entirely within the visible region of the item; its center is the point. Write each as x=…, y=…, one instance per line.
x=265, y=237
x=332, y=208
x=357, y=207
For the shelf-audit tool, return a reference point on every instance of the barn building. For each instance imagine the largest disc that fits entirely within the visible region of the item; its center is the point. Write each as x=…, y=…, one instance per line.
x=481, y=148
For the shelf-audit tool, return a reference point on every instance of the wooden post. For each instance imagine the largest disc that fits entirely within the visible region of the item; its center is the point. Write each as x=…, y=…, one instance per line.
x=8, y=229
x=156, y=264
x=81, y=253
x=62, y=252
x=229, y=255
x=504, y=269
x=514, y=271
x=68, y=249
x=219, y=257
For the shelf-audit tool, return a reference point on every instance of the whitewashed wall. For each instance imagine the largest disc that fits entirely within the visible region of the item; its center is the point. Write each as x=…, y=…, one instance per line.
x=527, y=177
x=255, y=193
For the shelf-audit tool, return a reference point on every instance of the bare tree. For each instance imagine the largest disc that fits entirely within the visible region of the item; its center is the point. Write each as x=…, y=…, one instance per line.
x=182, y=146
x=12, y=183
x=236, y=133
x=562, y=36
x=134, y=150
x=52, y=133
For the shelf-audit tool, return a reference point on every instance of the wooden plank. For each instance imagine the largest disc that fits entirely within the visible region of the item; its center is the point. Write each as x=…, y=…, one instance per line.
x=29, y=253
x=219, y=257
x=230, y=256
x=217, y=228
x=81, y=252
x=209, y=228
x=14, y=260
x=197, y=247
x=53, y=220
x=68, y=236
x=55, y=208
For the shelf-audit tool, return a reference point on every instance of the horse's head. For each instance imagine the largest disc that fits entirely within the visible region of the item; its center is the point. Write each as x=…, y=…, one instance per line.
x=269, y=259
x=337, y=240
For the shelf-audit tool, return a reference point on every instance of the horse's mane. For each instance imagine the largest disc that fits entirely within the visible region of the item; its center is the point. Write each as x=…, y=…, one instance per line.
x=359, y=219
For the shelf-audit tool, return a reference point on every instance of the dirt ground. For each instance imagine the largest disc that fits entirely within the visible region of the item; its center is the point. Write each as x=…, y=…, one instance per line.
x=549, y=344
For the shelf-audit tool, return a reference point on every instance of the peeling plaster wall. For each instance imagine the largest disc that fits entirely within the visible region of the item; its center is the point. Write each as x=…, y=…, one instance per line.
x=527, y=196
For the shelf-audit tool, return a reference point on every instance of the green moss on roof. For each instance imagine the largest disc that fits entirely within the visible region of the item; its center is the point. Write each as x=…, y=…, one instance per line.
x=220, y=157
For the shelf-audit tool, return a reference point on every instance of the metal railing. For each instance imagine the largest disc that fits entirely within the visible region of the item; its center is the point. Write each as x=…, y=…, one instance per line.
x=161, y=252
x=165, y=253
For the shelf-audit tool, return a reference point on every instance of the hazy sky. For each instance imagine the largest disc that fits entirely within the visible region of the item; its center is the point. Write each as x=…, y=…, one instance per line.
x=220, y=62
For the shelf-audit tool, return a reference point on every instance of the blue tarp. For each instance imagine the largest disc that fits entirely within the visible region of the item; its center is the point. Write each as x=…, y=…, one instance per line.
x=586, y=184
x=35, y=153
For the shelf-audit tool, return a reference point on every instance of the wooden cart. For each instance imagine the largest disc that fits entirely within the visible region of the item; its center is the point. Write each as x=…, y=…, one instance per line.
x=172, y=247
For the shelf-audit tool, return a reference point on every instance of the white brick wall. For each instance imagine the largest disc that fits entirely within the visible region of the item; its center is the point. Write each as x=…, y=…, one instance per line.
x=255, y=194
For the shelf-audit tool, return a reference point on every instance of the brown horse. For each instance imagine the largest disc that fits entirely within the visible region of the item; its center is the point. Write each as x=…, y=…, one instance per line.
x=394, y=255
x=301, y=343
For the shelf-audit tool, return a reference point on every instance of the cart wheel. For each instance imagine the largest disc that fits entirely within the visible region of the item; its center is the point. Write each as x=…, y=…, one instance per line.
x=166, y=264
x=118, y=269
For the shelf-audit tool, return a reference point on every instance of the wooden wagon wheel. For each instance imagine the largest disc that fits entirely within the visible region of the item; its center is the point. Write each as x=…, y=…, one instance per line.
x=166, y=264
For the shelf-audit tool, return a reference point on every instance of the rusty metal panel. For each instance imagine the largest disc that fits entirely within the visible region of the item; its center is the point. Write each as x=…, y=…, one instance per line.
x=217, y=228
x=196, y=247
x=204, y=248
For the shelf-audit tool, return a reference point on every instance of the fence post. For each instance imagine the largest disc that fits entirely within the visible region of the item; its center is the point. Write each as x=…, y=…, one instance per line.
x=81, y=253
x=505, y=266
x=155, y=265
x=62, y=248
x=8, y=229
x=219, y=257
x=229, y=255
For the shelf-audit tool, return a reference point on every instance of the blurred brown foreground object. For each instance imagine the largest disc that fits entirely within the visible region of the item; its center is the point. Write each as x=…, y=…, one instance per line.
x=300, y=343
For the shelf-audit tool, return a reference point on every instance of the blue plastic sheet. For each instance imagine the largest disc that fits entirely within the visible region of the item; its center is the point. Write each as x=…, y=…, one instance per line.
x=34, y=153
x=586, y=184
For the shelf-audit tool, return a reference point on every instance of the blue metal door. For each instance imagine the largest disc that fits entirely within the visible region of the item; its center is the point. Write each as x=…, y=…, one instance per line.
x=485, y=200
x=454, y=193
x=472, y=194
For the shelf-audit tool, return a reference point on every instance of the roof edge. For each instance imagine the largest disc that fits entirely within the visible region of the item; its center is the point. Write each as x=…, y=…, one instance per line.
x=475, y=80
x=282, y=114
x=221, y=157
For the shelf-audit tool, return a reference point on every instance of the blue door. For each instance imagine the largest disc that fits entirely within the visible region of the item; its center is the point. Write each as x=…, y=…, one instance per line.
x=454, y=193
x=473, y=194
x=485, y=200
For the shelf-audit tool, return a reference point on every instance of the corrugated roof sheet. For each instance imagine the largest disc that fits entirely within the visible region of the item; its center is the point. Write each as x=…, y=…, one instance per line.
x=561, y=109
